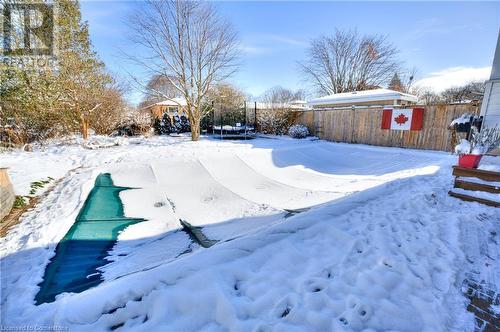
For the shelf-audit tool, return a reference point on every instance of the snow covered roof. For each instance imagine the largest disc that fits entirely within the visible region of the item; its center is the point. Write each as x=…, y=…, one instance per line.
x=178, y=101
x=292, y=105
x=174, y=102
x=363, y=97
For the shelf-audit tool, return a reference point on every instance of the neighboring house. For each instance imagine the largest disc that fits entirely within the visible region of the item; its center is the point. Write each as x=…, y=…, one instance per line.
x=293, y=105
x=490, y=108
x=170, y=106
x=366, y=98
x=298, y=104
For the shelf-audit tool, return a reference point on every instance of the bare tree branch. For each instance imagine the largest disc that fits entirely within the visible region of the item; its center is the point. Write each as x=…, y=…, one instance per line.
x=189, y=45
x=348, y=62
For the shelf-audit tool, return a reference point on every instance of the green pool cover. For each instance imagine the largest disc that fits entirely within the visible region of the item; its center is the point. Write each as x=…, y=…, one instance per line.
x=83, y=249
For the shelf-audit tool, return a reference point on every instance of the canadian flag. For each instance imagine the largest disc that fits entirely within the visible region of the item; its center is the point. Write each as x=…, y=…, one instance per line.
x=403, y=119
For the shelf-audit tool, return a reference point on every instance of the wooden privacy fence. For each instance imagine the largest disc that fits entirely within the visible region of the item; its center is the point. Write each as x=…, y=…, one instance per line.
x=363, y=125
x=307, y=119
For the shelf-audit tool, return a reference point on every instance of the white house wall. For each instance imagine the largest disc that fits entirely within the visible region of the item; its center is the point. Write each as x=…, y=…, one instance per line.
x=490, y=108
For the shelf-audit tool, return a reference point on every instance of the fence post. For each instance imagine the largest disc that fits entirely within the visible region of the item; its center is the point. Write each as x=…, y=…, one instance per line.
x=317, y=118
x=353, y=123
x=221, y=137
x=255, y=115
x=245, y=119
x=213, y=118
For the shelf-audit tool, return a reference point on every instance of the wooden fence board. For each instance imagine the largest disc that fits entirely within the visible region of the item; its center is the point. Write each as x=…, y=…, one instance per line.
x=363, y=125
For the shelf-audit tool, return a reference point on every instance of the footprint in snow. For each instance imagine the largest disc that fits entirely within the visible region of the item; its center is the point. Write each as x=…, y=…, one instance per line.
x=315, y=285
x=237, y=287
x=284, y=307
x=440, y=280
x=343, y=321
x=327, y=273
x=364, y=312
x=352, y=302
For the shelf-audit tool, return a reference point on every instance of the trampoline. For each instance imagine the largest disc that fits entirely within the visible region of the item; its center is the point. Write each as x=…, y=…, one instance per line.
x=234, y=123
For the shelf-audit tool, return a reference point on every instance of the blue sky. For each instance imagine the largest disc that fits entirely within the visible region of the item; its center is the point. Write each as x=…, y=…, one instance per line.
x=448, y=42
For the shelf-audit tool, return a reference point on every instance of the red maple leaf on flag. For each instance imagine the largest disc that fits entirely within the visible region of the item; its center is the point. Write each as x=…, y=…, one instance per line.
x=401, y=119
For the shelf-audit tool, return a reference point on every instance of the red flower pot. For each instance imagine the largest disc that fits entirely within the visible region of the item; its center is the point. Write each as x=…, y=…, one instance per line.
x=469, y=160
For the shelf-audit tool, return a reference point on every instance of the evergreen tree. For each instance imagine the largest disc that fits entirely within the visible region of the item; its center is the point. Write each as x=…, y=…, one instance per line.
x=28, y=95
x=177, y=125
x=207, y=121
x=83, y=79
x=157, y=126
x=395, y=83
x=166, y=124
x=74, y=93
x=185, y=127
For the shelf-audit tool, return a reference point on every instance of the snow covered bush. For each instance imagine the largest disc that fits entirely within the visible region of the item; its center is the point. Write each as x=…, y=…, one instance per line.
x=185, y=126
x=481, y=142
x=298, y=131
x=275, y=121
x=207, y=121
x=166, y=126
x=134, y=123
x=464, y=147
x=178, y=124
x=98, y=142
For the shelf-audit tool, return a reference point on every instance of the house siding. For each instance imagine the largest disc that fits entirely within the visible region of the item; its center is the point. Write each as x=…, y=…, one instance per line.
x=491, y=104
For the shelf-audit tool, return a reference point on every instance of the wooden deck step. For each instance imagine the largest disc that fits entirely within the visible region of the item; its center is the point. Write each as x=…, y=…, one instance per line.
x=476, y=173
x=474, y=199
x=476, y=186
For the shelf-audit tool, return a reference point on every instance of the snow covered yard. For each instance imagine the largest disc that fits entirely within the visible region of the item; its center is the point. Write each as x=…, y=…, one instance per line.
x=311, y=236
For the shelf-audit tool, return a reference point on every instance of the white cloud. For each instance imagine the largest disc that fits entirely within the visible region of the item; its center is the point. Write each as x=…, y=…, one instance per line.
x=253, y=50
x=264, y=44
x=451, y=77
x=286, y=40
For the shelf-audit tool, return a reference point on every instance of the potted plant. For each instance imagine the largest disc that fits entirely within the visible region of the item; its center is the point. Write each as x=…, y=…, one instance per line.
x=470, y=151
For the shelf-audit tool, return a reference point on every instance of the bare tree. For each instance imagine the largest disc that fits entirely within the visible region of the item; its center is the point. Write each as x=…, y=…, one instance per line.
x=427, y=96
x=226, y=95
x=85, y=85
x=473, y=91
x=189, y=44
x=408, y=79
x=466, y=93
x=157, y=89
x=347, y=62
x=112, y=111
x=280, y=95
